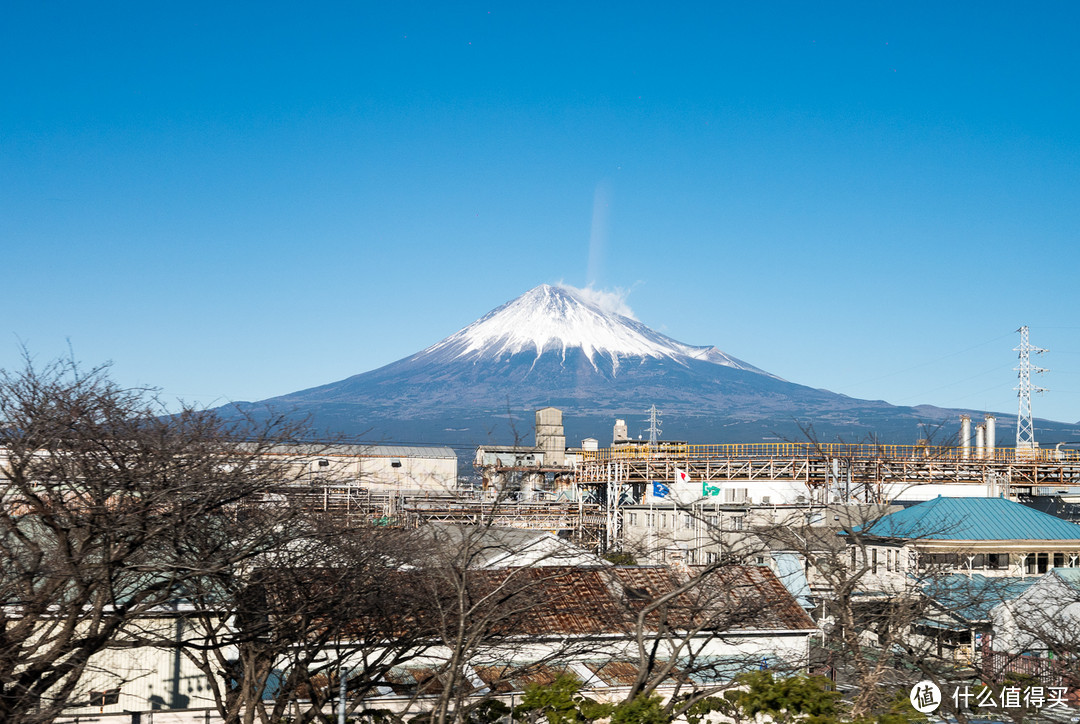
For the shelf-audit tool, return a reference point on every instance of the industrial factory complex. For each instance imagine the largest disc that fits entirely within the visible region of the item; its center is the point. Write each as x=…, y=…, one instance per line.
x=797, y=555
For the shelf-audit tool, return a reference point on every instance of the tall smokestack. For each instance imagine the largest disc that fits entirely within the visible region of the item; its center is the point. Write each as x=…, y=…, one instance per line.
x=965, y=436
x=980, y=442
x=991, y=435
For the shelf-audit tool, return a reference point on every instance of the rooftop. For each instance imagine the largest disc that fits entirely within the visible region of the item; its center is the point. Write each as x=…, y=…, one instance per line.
x=366, y=451
x=971, y=519
x=1070, y=576
x=599, y=600
x=970, y=598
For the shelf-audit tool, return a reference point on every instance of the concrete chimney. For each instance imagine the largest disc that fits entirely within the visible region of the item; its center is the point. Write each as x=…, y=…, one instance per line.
x=620, y=434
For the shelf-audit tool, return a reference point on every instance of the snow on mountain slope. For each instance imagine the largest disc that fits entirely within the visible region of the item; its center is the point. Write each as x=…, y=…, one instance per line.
x=555, y=319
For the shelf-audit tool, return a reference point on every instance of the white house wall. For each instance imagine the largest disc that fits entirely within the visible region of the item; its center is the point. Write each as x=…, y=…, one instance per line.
x=162, y=678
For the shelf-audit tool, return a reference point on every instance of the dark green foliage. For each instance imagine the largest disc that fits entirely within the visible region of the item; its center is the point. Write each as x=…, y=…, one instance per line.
x=488, y=712
x=699, y=710
x=621, y=558
x=561, y=702
x=787, y=699
x=899, y=711
x=810, y=699
x=641, y=710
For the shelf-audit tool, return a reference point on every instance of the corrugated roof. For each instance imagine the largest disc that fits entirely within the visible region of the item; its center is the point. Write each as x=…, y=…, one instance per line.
x=403, y=451
x=972, y=519
x=970, y=598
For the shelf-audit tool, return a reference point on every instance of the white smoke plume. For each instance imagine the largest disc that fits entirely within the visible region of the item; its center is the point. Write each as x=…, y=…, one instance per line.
x=609, y=300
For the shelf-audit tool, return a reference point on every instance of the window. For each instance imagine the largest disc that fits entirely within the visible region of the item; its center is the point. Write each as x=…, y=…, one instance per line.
x=737, y=522
x=633, y=519
x=710, y=557
x=997, y=561
x=691, y=556
x=888, y=559
x=852, y=553
x=873, y=560
x=761, y=560
x=687, y=520
x=105, y=698
x=1059, y=560
x=650, y=520
x=663, y=520
x=943, y=560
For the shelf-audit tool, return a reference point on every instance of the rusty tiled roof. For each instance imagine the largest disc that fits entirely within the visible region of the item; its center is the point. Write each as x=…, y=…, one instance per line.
x=758, y=584
x=595, y=601
x=503, y=679
x=615, y=673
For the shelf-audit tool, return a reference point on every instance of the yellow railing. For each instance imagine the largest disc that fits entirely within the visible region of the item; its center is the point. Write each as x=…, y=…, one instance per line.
x=863, y=451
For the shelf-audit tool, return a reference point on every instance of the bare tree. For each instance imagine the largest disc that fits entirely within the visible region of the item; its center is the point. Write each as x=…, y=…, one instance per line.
x=480, y=614
x=322, y=602
x=102, y=487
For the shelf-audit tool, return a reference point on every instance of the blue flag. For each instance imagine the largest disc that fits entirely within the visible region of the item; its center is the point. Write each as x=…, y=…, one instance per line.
x=659, y=490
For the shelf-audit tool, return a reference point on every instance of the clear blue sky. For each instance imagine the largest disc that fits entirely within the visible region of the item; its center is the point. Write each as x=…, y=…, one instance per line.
x=234, y=201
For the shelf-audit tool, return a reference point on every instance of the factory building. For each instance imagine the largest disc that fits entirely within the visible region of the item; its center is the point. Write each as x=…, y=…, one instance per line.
x=376, y=468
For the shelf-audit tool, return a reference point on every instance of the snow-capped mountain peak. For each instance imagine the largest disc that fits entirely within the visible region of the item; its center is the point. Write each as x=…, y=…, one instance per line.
x=555, y=319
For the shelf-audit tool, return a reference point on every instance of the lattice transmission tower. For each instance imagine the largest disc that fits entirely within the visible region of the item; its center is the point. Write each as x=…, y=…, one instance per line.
x=654, y=425
x=1025, y=426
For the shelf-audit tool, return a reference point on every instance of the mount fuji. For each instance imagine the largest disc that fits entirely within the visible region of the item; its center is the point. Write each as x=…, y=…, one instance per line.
x=557, y=346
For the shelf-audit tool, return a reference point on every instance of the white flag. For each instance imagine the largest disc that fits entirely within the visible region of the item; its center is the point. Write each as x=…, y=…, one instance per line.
x=681, y=476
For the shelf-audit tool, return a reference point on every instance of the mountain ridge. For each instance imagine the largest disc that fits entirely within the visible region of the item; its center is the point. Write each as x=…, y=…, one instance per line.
x=553, y=346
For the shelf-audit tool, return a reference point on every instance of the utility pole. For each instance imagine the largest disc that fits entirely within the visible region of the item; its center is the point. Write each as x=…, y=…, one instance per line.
x=1025, y=425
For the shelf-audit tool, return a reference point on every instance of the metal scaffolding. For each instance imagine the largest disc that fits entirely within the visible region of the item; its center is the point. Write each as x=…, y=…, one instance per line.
x=828, y=471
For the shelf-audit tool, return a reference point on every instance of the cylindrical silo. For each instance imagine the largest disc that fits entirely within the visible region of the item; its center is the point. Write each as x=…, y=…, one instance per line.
x=965, y=436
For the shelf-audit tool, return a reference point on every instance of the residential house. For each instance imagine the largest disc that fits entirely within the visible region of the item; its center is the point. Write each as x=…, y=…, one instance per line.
x=1037, y=633
x=994, y=537
x=586, y=620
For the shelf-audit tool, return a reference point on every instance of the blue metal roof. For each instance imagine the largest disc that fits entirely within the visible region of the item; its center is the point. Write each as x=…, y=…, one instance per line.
x=1071, y=576
x=970, y=598
x=972, y=519
x=790, y=571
